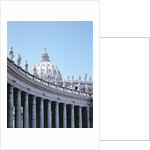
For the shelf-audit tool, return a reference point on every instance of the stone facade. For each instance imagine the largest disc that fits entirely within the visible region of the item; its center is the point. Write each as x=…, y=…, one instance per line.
x=33, y=102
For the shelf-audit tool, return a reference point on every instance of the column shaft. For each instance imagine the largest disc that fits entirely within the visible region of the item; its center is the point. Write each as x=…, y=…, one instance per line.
x=72, y=116
x=56, y=115
x=18, y=109
x=10, y=107
x=41, y=113
x=64, y=116
x=80, y=117
x=88, y=118
x=33, y=111
x=48, y=114
x=26, y=112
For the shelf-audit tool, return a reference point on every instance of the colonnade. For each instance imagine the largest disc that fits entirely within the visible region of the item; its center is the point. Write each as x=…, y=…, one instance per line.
x=43, y=113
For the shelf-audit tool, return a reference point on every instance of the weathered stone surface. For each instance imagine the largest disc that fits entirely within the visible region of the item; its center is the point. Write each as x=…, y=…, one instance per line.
x=33, y=112
x=26, y=112
x=41, y=113
x=72, y=116
x=18, y=109
x=64, y=116
x=56, y=115
x=23, y=81
x=10, y=107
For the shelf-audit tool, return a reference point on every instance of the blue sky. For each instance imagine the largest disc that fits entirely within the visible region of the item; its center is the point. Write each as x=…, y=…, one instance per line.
x=68, y=43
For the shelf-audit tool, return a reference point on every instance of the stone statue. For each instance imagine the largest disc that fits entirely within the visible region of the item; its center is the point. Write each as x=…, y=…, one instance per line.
x=68, y=77
x=90, y=79
x=64, y=83
x=18, y=60
x=71, y=85
x=79, y=86
x=72, y=77
x=85, y=77
x=26, y=65
x=34, y=70
x=86, y=88
x=11, y=56
x=79, y=78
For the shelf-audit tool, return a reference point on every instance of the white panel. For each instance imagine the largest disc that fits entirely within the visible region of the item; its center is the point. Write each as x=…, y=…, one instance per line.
x=125, y=145
x=124, y=18
x=124, y=89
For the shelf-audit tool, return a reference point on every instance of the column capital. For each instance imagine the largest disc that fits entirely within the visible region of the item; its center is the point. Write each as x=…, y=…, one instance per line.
x=57, y=102
x=41, y=99
x=73, y=105
x=33, y=96
x=11, y=86
x=88, y=107
x=65, y=104
x=26, y=93
x=49, y=100
x=18, y=90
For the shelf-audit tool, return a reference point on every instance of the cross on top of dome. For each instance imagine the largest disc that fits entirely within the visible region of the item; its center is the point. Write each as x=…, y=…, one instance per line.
x=45, y=56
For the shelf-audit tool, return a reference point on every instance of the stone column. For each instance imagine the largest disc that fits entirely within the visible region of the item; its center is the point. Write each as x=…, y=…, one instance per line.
x=56, y=115
x=80, y=117
x=49, y=114
x=33, y=111
x=88, y=118
x=64, y=116
x=26, y=112
x=72, y=116
x=41, y=113
x=10, y=107
x=18, y=109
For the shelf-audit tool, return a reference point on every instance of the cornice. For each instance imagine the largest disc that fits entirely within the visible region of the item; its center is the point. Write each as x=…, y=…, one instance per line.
x=29, y=79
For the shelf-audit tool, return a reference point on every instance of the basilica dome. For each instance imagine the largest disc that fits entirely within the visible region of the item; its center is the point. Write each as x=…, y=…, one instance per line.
x=46, y=70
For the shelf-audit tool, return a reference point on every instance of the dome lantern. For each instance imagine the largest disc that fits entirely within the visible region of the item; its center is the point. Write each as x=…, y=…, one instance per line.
x=45, y=56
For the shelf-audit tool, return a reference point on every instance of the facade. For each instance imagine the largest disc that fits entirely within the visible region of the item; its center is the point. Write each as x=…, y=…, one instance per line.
x=41, y=99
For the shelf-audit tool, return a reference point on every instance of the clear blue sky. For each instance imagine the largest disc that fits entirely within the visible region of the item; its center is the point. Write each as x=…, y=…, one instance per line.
x=68, y=43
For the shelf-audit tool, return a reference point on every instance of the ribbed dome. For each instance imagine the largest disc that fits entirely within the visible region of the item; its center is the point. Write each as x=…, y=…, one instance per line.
x=46, y=70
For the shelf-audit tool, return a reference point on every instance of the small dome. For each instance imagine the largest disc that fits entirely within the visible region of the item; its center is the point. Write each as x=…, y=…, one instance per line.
x=46, y=70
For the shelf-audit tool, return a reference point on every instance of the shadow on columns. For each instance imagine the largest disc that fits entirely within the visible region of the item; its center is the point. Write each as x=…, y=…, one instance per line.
x=68, y=116
x=84, y=117
x=76, y=115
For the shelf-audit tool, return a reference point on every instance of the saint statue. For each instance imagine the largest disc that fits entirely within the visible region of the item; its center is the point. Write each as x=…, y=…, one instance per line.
x=18, y=60
x=90, y=79
x=85, y=77
x=11, y=56
x=26, y=65
x=72, y=77
x=79, y=78
x=68, y=77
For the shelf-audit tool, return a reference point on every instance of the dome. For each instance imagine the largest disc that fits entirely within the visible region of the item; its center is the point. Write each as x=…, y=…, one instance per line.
x=46, y=70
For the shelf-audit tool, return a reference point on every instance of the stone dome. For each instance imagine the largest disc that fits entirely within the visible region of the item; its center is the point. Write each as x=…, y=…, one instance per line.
x=46, y=70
